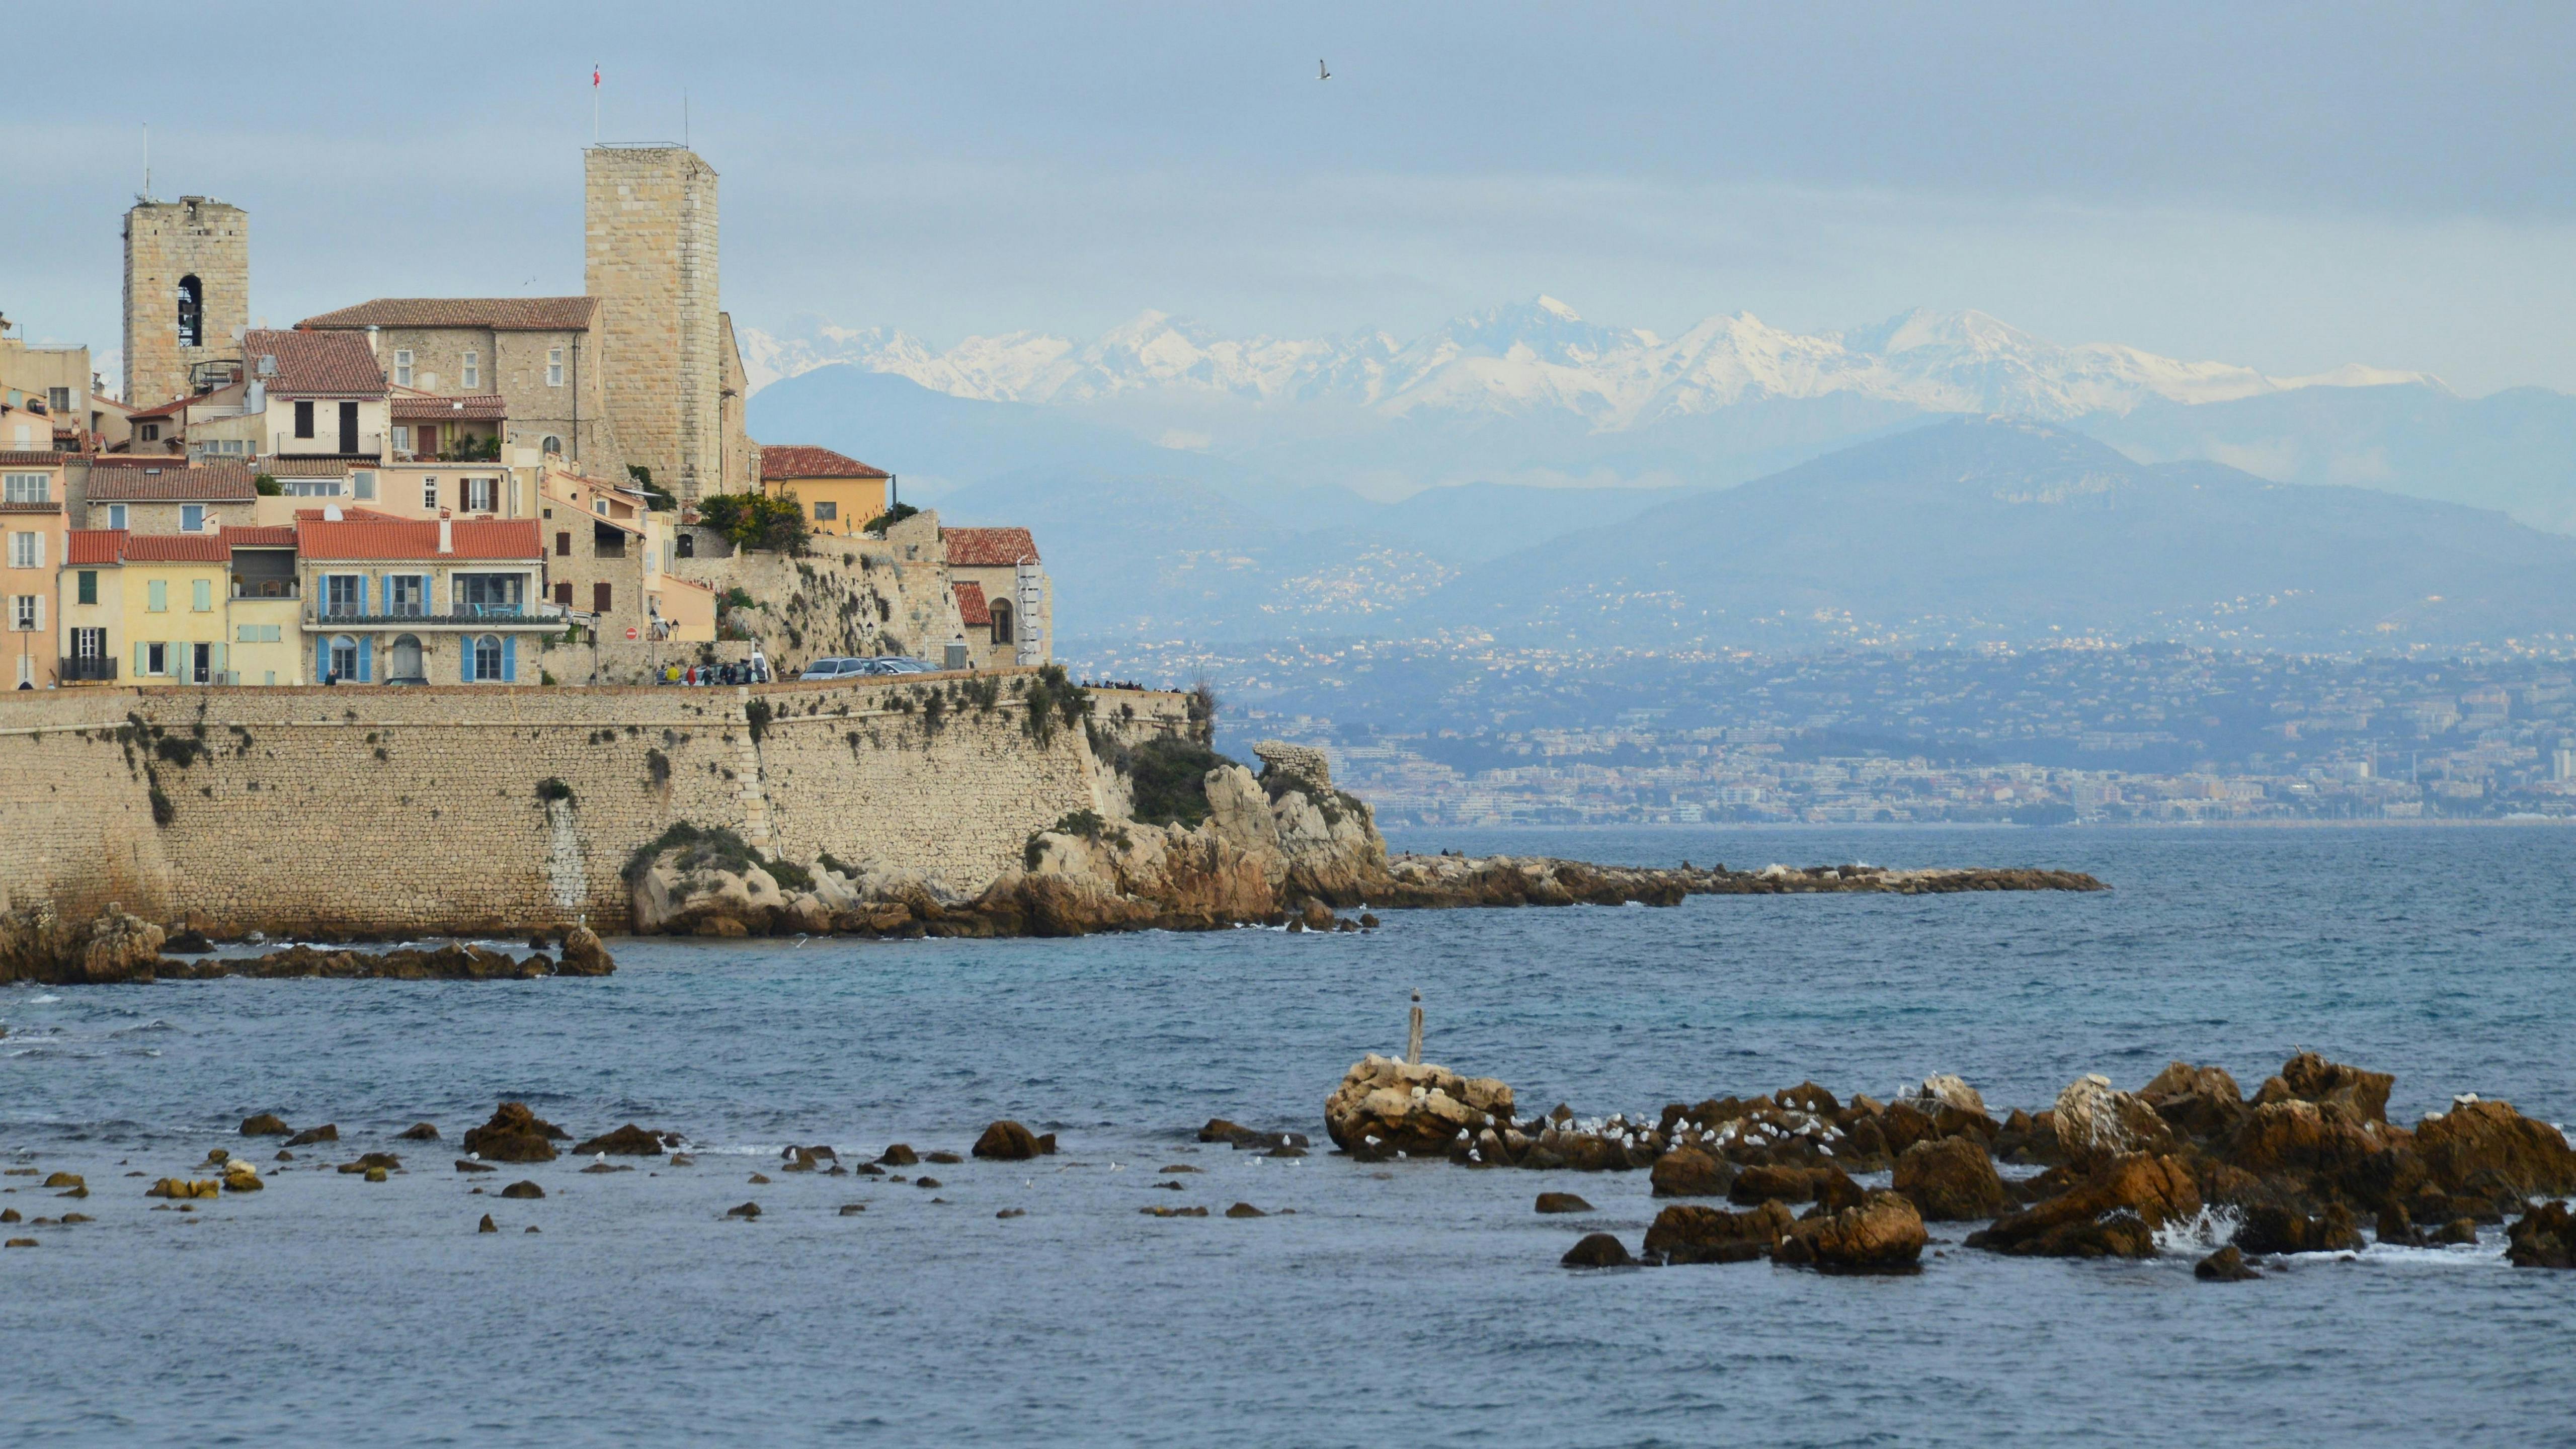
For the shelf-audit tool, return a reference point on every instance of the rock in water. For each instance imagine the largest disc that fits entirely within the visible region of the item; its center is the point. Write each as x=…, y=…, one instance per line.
x=487, y=1225
x=1384, y=1106
x=1220, y=1130
x=746, y=1211
x=514, y=1134
x=122, y=947
x=1007, y=1142
x=2513, y=1152
x=1692, y=1234
x=627, y=1141
x=327, y=1132
x=2095, y=1120
x=583, y=955
x=2111, y=1212
x=523, y=1189
x=899, y=1155
x=1562, y=1202
x=1598, y=1250
x=1950, y=1180
x=1689, y=1172
x=2309, y=1077
x=419, y=1132
x=2270, y=1228
x=464, y=1165
x=2227, y=1265
x=1884, y=1232
x=2544, y=1237
x=266, y=1124
x=2200, y=1101
x=1942, y=1089
x=1245, y=1210
x=240, y=1176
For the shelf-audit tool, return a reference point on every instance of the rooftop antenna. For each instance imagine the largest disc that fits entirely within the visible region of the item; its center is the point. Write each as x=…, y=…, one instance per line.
x=147, y=163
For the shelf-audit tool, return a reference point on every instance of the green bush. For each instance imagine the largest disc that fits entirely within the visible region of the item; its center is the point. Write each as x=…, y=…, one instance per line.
x=890, y=518
x=1169, y=776
x=757, y=521
x=656, y=498
x=1053, y=699
x=267, y=486
x=552, y=788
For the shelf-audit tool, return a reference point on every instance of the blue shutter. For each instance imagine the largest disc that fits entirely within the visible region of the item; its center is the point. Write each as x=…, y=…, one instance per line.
x=362, y=599
x=366, y=659
x=465, y=657
x=321, y=658
x=509, y=659
x=142, y=653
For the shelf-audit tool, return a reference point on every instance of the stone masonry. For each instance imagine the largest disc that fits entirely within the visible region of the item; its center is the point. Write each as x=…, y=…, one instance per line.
x=165, y=243
x=649, y=256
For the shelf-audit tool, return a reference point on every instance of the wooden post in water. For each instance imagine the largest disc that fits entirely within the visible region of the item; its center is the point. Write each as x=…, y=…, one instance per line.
x=1413, y=1038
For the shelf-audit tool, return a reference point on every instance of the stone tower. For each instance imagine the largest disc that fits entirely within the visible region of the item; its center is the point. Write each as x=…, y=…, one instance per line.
x=187, y=292
x=649, y=256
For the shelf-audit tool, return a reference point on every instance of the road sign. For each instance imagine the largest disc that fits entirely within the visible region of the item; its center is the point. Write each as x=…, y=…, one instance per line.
x=631, y=634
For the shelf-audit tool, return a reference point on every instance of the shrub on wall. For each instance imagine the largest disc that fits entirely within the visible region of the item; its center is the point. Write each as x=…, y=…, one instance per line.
x=1169, y=777
x=757, y=521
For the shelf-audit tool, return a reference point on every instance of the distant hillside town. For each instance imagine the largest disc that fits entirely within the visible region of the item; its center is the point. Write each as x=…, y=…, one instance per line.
x=462, y=490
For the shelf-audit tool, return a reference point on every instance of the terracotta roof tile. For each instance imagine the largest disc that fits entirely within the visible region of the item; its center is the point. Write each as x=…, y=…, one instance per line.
x=177, y=548
x=160, y=410
x=486, y=408
x=314, y=364
x=93, y=545
x=314, y=515
x=280, y=535
x=779, y=461
x=988, y=547
x=971, y=608
x=499, y=314
x=173, y=482
x=410, y=538
x=32, y=458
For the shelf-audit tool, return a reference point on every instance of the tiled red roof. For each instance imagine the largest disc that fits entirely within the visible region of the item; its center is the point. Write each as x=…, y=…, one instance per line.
x=93, y=545
x=780, y=461
x=315, y=515
x=31, y=458
x=173, y=482
x=970, y=604
x=178, y=548
x=485, y=408
x=417, y=538
x=160, y=410
x=314, y=364
x=281, y=535
x=987, y=547
x=499, y=314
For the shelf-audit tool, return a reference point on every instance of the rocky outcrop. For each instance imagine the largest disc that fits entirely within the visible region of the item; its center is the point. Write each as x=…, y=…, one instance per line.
x=1385, y=1106
x=2111, y=1212
x=1692, y=1172
x=1596, y=1250
x=2195, y=1101
x=37, y=944
x=2544, y=1237
x=2488, y=1145
x=266, y=1124
x=627, y=1141
x=1687, y=1233
x=2096, y=1120
x=2273, y=1228
x=1007, y=1142
x=1950, y=1179
x=1880, y=1234
x=515, y=1134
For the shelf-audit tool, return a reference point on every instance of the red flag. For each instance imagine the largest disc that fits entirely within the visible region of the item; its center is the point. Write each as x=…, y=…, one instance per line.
x=594, y=77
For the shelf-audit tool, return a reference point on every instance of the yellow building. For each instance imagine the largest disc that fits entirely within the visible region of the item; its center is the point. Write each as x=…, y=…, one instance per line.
x=841, y=495
x=180, y=608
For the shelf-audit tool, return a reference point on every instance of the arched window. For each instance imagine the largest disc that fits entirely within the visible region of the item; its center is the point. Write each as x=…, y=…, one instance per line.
x=686, y=545
x=407, y=666
x=554, y=445
x=487, y=657
x=1001, y=622
x=192, y=312
x=344, y=658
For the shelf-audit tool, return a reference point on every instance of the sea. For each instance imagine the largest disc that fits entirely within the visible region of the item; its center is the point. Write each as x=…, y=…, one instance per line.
x=1411, y=1303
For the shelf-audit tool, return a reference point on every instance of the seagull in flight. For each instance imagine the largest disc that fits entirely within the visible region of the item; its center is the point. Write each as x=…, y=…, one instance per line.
x=1322, y=71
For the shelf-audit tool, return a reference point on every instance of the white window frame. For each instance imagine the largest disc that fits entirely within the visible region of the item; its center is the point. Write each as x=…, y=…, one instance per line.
x=402, y=437
x=469, y=373
x=402, y=367
x=360, y=596
x=554, y=367
x=311, y=487
x=419, y=605
x=26, y=612
x=192, y=518
x=362, y=485
x=474, y=650
x=156, y=659
x=429, y=490
x=26, y=550
x=116, y=515
x=487, y=490
x=28, y=488
x=59, y=399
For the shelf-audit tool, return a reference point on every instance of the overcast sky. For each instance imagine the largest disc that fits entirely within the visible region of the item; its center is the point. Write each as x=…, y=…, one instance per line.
x=2290, y=187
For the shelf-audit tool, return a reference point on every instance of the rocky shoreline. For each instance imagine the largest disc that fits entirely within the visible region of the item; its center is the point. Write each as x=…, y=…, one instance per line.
x=119, y=947
x=2300, y=1167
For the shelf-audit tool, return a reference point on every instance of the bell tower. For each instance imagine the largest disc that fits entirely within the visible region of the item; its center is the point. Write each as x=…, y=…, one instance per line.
x=187, y=292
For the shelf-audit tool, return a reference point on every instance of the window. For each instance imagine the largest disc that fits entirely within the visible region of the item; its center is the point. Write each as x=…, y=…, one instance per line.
x=192, y=313
x=490, y=593
x=487, y=658
x=343, y=595
x=826, y=512
x=563, y=594
x=151, y=432
x=471, y=373
x=60, y=398
x=304, y=420
x=406, y=595
x=156, y=659
x=599, y=506
x=601, y=595
x=344, y=656
x=402, y=367
x=26, y=550
x=563, y=544
x=192, y=518
x=554, y=378
x=22, y=612
x=1001, y=622
x=686, y=546
x=363, y=485
x=429, y=492
x=201, y=596
x=116, y=515
x=28, y=488
x=156, y=596
x=89, y=643
x=88, y=586
x=482, y=495
x=553, y=446
x=311, y=487
x=402, y=438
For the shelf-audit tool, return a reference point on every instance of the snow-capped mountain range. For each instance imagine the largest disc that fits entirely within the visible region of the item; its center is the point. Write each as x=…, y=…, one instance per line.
x=1541, y=357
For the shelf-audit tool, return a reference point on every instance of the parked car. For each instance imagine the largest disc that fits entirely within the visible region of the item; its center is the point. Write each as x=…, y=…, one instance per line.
x=833, y=668
x=901, y=664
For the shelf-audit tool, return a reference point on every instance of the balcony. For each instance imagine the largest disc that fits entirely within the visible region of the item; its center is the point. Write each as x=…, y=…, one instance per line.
x=86, y=671
x=325, y=444
x=265, y=589
x=461, y=616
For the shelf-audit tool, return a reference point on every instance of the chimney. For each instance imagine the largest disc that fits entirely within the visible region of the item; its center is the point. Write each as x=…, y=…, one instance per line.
x=446, y=532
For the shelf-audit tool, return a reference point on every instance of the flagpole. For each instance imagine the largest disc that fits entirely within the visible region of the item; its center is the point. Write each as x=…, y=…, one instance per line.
x=594, y=103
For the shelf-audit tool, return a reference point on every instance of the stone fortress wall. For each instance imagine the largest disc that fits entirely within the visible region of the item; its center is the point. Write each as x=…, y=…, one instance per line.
x=383, y=811
x=166, y=242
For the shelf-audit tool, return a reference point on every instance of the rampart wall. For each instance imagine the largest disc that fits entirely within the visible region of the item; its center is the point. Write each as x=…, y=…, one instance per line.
x=424, y=810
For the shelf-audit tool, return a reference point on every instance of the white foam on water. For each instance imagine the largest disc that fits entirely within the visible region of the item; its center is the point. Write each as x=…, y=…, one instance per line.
x=2201, y=1234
